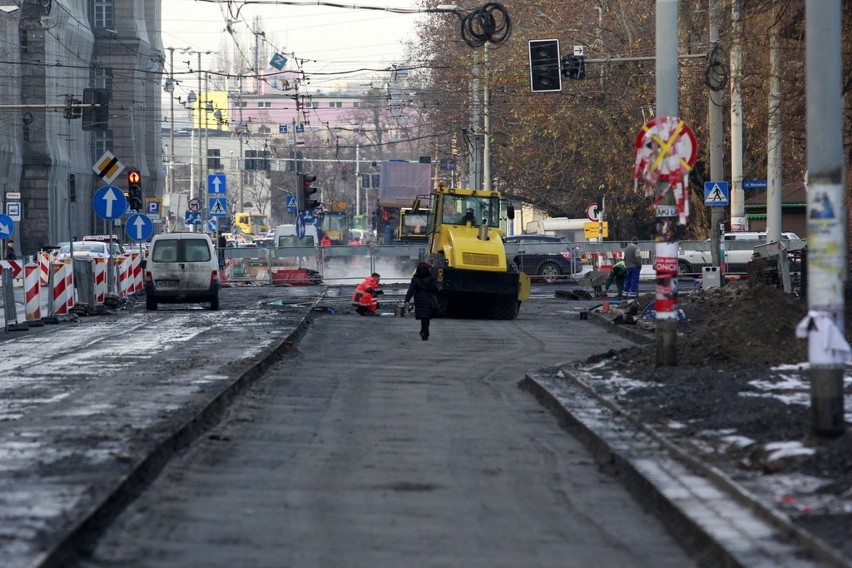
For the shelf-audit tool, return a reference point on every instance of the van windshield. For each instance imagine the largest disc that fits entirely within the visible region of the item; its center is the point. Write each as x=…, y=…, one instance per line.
x=170, y=250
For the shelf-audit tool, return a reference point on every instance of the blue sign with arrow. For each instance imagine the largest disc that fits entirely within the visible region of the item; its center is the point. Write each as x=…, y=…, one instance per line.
x=7, y=226
x=212, y=225
x=192, y=218
x=217, y=183
x=109, y=202
x=139, y=227
x=300, y=226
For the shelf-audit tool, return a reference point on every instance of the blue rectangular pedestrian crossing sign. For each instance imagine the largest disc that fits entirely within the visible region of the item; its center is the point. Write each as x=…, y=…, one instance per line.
x=217, y=207
x=717, y=193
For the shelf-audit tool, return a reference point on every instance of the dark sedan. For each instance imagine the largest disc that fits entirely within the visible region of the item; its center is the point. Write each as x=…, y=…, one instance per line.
x=542, y=257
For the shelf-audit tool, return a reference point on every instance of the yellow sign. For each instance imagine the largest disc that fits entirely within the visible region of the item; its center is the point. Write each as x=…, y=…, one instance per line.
x=108, y=167
x=591, y=230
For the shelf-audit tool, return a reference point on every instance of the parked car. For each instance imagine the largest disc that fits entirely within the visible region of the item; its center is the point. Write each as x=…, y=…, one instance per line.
x=739, y=249
x=83, y=250
x=182, y=268
x=542, y=257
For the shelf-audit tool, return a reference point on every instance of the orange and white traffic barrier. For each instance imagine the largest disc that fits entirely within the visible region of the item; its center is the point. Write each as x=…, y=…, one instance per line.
x=32, y=292
x=136, y=267
x=100, y=275
x=62, y=292
x=125, y=276
x=43, y=266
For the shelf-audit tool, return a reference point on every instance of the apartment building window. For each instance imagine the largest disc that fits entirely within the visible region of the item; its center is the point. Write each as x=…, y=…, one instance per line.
x=103, y=14
x=356, y=104
x=311, y=104
x=102, y=141
x=334, y=104
x=264, y=104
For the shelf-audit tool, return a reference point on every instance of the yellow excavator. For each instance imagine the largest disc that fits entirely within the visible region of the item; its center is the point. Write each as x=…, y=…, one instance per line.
x=467, y=254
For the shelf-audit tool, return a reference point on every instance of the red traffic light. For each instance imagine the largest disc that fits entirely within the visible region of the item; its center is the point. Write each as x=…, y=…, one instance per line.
x=133, y=176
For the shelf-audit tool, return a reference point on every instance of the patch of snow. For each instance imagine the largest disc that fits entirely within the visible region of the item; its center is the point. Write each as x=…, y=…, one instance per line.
x=780, y=450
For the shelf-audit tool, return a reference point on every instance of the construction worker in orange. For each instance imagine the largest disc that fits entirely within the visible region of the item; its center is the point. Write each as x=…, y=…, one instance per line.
x=364, y=299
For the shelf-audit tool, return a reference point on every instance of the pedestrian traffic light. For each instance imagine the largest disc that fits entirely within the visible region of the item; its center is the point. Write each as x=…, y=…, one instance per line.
x=134, y=190
x=545, y=74
x=304, y=199
x=574, y=67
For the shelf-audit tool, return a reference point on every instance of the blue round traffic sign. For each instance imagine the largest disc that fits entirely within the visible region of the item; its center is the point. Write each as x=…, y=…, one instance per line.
x=109, y=202
x=139, y=227
x=7, y=226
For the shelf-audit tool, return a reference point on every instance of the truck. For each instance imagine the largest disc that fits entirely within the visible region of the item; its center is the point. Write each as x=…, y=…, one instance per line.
x=468, y=257
x=250, y=224
x=335, y=222
x=571, y=229
x=402, y=184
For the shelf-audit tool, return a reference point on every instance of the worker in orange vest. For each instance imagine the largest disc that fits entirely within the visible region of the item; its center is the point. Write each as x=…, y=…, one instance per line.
x=364, y=298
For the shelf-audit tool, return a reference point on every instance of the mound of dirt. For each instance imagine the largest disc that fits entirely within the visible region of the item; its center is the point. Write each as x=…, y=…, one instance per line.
x=737, y=391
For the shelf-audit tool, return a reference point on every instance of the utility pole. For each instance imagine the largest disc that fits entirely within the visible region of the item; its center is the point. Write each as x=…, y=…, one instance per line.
x=827, y=217
x=774, y=172
x=738, y=221
x=487, y=182
x=715, y=119
x=666, y=204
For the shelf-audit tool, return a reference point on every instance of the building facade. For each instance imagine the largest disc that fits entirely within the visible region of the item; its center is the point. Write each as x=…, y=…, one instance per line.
x=66, y=50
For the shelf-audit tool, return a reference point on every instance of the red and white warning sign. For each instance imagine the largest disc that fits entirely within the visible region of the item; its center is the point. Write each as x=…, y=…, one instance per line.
x=666, y=149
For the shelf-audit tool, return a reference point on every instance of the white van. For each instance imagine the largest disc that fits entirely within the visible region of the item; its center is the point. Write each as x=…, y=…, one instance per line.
x=181, y=268
x=286, y=236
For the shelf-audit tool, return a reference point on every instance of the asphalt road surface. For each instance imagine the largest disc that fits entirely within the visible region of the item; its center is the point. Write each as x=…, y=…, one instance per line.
x=372, y=448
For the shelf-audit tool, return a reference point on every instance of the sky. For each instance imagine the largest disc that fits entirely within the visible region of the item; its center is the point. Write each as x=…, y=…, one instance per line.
x=333, y=40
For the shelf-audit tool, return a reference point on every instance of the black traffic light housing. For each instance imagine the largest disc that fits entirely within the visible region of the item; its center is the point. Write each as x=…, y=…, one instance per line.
x=574, y=67
x=304, y=197
x=545, y=74
x=134, y=190
x=72, y=187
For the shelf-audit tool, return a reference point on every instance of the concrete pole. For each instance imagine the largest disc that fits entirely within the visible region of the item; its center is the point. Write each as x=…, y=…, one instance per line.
x=357, y=179
x=666, y=209
x=774, y=172
x=716, y=127
x=201, y=177
x=827, y=213
x=487, y=182
x=738, y=220
x=473, y=177
x=171, y=171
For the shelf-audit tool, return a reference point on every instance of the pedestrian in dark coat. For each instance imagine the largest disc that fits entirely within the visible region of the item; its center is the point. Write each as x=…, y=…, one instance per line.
x=423, y=289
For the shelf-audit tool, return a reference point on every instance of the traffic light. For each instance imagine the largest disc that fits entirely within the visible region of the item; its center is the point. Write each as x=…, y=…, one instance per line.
x=72, y=187
x=574, y=67
x=545, y=74
x=306, y=190
x=134, y=190
x=95, y=109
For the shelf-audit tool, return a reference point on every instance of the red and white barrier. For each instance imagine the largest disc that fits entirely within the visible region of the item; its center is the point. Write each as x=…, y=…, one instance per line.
x=15, y=266
x=100, y=275
x=125, y=276
x=43, y=266
x=136, y=267
x=63, y=288
x=32, y=292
